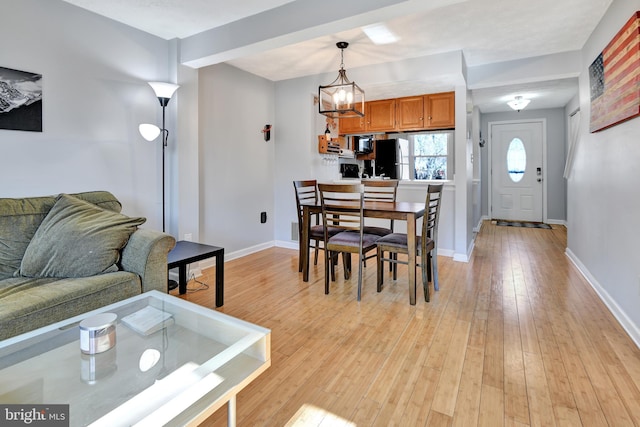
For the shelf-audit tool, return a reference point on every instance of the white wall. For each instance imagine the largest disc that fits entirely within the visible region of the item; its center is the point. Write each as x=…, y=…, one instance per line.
x=556, y=138
x=603, y=202
x=236, y=165
x=94, y=96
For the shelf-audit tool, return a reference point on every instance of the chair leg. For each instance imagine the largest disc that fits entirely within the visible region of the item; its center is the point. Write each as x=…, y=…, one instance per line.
x=334, y=261
x=346, y=265
x=424, y=259
x=360, y=266
x=379, y=277
x=315, y=258
x=395, y=266
x=328, y=269
x=392, y=264
x=434, y=261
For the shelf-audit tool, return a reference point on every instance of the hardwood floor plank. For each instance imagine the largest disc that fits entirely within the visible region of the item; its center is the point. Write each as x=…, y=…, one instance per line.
x=417, y=410
x=447, y=391
x=541, y=409
x=514, y=337
x=491, y=407
x=467, y=408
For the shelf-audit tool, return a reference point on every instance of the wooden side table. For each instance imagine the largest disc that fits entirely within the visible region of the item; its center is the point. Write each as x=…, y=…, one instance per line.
x=185, y=253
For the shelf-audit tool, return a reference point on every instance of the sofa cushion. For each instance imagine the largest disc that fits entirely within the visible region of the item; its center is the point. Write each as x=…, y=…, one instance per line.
x=29, y=303
x=20, y=218
x=77, y=239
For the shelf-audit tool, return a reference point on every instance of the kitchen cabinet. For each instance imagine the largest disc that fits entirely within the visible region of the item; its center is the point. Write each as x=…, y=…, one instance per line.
x=380, y=115
x=410, y=113
x=352, y=124
x=439, y=110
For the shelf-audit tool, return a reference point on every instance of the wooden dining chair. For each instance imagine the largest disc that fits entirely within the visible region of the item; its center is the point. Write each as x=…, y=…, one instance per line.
x=342, y=208
x=307, y=192
x=379, y=190
x=426, y=244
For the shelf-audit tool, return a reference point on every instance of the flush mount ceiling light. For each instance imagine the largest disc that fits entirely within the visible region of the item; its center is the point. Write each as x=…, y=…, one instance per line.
x=519, y=103
x=341, y=98
x=380, y=34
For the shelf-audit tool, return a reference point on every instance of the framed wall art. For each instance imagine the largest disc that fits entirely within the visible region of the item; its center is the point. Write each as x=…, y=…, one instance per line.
x=20, y=100
x=614, y=78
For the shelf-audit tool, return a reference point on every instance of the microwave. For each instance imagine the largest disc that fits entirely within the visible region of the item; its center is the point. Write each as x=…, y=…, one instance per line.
x=362, y=144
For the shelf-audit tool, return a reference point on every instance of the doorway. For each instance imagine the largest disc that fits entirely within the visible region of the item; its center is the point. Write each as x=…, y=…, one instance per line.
x=517, y=170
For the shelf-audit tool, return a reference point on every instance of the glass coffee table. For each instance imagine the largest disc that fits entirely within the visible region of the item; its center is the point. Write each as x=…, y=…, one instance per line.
x=194, y=363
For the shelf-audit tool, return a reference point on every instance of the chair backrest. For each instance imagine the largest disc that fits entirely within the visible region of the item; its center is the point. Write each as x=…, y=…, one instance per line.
x=432, y=211
x=382, y=190
x=306, y=192
x=342, y=206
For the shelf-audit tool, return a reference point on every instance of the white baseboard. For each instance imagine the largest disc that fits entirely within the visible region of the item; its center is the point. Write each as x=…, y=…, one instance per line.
x=286, y=244
x=477, y=228
x=628, y=325
x=294, y=245
x=195, y=269
x=557, y=222
x=460, y=257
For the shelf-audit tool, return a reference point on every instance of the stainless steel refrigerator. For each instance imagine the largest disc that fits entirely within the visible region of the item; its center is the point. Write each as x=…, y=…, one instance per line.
x=389, y=161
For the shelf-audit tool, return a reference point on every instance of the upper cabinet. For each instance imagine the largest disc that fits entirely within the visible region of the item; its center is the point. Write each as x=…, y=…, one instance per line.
x=380, y=115
x=410, y=112
x=353, y=124
x=439, y=110
x=423, y=112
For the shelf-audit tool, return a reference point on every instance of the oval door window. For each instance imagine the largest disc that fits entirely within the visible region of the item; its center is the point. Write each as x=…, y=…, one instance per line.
x=516, y=160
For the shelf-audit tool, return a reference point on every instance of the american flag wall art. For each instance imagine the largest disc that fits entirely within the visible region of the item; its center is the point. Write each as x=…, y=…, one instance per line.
x=615, y=78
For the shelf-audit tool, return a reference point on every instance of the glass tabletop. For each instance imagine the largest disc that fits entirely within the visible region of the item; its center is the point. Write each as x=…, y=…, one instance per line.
x=188, y=365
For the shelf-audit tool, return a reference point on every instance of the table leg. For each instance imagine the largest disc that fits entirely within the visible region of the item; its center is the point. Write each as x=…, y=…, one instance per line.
x=411, y=242
x=220, y=278
x=304, y=243
x=231, y=412
x=182, y=279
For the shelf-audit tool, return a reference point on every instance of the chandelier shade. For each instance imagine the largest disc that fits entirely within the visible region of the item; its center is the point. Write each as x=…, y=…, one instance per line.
x=341, y=98
x=519, y=103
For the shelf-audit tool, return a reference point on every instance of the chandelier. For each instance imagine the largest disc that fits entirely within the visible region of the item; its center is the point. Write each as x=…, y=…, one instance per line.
x=341, y=98
x=519, y=103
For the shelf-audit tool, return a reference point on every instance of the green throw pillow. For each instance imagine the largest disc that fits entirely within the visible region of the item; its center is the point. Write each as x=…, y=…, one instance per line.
x=77, y=239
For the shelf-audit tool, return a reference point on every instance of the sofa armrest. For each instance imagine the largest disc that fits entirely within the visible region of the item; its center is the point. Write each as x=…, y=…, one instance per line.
x=146, y=255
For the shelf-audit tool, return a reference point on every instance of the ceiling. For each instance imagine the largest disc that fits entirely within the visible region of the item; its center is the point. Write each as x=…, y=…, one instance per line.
x=486, y=31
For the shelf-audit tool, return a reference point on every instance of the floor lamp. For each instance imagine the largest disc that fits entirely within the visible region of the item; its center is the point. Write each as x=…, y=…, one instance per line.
x=164, y=92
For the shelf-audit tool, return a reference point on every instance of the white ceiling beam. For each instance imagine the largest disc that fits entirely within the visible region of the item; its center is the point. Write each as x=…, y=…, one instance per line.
x=291, y=23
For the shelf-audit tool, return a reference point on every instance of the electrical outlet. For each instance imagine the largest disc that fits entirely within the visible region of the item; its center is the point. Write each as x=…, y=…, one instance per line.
x=188, y=237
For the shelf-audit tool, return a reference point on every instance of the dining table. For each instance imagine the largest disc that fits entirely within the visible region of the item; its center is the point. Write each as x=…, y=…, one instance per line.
x=403, y=211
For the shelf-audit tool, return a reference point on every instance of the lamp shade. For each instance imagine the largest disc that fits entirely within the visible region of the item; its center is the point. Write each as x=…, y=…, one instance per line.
x=163, y=90
x=149, y=131
x=519, y=103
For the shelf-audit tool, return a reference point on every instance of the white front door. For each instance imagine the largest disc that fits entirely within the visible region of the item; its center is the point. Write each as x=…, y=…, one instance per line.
x=516, y=171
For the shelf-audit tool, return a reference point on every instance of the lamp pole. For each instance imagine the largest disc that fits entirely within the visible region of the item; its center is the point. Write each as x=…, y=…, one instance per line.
x=165, y=138
x=164, y=92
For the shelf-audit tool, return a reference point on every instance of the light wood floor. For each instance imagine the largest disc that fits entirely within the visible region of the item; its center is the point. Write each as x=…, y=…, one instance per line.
x=515, y=337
